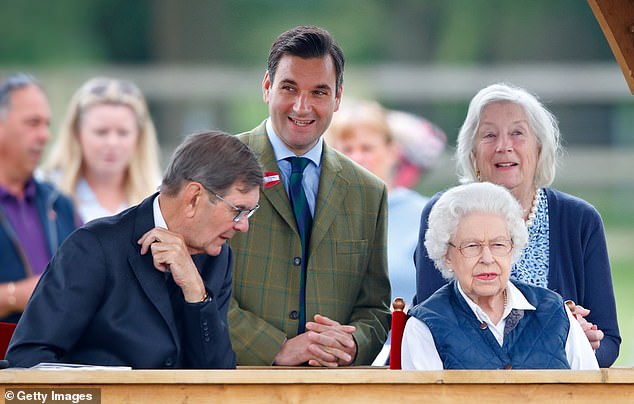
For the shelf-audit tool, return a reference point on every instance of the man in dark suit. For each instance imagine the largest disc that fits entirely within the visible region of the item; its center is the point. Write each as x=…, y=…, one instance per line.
x=320, y=296
x=150, y=287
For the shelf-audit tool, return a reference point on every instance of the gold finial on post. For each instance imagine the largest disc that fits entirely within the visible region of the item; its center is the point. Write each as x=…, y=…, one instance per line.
x=398, y=304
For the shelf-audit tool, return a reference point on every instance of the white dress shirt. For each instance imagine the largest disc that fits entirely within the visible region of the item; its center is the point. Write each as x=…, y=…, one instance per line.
x=159, y=220
x=88, y=206
x=418, y=350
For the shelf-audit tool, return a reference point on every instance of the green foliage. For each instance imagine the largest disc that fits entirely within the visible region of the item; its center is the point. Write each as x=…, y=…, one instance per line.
x=125, y=29
x=51, y=33
x=241, y=31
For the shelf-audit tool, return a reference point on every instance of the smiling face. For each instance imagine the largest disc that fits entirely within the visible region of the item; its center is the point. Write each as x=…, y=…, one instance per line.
x=506, y=150
x=212, y=223
x=302, y=99
x=486, y=275
x=108, y=135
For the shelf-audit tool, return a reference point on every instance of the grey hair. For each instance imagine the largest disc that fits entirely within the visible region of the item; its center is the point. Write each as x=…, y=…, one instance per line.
x=461, y=200
x=542, y=122
x=216, y=160
x=11, y=83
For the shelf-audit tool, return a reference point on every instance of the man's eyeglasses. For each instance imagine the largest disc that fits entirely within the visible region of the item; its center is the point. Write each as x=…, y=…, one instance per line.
x=471, y=249
x=240, y=213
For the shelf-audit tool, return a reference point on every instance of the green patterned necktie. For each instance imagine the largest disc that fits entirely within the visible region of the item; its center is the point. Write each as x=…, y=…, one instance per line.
x=304, y=221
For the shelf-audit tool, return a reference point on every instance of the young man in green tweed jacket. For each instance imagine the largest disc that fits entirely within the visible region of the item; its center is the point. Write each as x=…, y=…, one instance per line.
x=347, y=291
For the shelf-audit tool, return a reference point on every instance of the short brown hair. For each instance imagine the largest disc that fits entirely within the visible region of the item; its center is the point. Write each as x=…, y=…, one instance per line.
x=306, y=42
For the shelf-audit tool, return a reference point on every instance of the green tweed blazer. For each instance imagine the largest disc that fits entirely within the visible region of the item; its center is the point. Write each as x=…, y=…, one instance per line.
x=347, y=278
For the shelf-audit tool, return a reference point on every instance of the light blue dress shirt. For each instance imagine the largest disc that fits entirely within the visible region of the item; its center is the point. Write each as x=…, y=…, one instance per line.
x=310, y=181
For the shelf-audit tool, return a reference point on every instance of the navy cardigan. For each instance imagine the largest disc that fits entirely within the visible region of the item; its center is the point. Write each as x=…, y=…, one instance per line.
x=579, y=267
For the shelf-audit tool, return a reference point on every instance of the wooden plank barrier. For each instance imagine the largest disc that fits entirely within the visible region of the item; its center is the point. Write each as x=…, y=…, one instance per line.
x=328, y=386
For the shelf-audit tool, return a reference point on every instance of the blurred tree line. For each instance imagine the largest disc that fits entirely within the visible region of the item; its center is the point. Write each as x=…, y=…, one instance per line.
x=97, y=34
x=70, y=32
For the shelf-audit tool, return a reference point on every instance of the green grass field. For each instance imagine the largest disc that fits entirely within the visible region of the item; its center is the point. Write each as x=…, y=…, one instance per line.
x=623, y=287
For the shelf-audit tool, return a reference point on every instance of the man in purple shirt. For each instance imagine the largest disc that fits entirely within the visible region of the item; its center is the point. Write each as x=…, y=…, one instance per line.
x=34, y=217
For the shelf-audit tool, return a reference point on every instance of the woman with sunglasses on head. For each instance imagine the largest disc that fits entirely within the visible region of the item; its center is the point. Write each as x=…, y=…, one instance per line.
x=509, y=138
x=481, y=319
x=106, y=153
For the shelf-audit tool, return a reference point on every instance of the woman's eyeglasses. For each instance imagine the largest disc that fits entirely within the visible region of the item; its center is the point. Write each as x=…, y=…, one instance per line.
x=471, y=249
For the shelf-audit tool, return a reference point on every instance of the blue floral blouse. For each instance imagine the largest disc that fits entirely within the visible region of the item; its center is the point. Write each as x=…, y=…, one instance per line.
x=532, y=267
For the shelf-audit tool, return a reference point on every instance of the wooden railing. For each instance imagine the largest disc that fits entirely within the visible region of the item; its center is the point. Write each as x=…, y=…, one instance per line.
x=330, y=386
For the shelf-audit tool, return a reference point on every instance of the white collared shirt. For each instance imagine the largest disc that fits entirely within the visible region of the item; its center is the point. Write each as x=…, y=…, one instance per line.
x=159, y=220
x=310, y=181
x=418, y=350
x=87, y=204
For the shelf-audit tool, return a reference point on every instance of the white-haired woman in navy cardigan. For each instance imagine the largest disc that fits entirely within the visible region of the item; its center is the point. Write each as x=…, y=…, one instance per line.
x=509, y=138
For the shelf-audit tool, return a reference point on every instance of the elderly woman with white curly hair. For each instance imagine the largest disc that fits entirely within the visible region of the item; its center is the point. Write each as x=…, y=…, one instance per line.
x=510, y=138
x=481, y=319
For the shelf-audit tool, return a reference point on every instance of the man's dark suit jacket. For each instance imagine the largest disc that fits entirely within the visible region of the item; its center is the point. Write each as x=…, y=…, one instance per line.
x=101, y=302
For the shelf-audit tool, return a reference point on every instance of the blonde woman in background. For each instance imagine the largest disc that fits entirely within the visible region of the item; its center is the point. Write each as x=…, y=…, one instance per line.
x=106, y=153
x=397, y=147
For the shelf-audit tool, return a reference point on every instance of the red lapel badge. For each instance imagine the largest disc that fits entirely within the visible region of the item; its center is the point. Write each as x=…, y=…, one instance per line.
x=270, y=179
